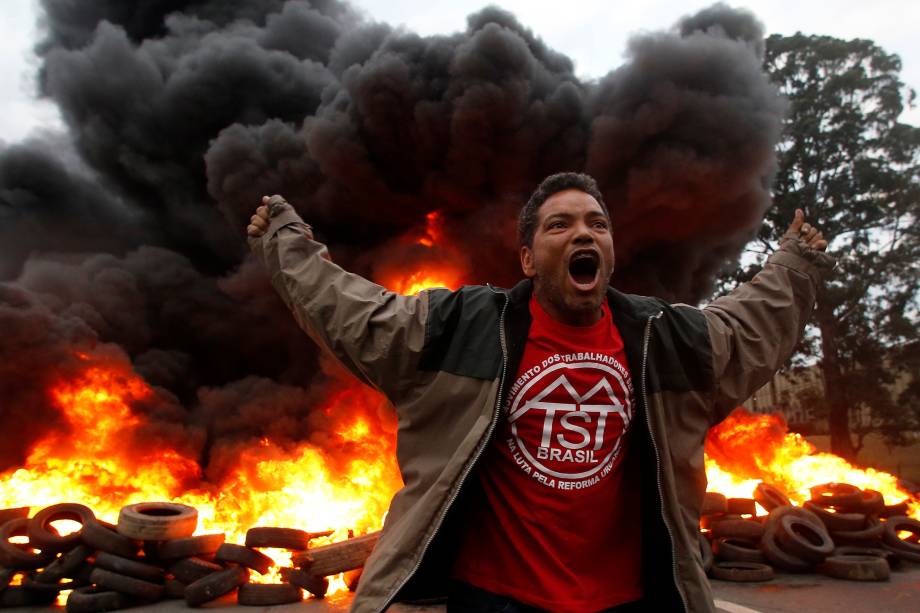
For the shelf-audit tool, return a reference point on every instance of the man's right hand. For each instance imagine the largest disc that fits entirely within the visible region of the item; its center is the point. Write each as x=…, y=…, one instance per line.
x=258, y=223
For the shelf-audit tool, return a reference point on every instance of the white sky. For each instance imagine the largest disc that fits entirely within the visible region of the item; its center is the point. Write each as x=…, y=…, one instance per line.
x=591, y=32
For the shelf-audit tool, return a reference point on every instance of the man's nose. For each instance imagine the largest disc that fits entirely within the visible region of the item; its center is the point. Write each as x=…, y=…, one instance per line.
x=583, y=233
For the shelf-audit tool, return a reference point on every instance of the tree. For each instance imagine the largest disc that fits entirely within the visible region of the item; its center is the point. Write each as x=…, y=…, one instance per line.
x=853, y=168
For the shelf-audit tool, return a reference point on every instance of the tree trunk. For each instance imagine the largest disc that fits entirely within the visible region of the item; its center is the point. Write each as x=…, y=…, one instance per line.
x=834, y=388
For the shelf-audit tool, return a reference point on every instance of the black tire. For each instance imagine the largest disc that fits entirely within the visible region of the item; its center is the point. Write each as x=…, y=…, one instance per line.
x=841, y=495
x=127, y=585
x=280, y=538
x=157, y=521
x=94, y=600
x=878, y=551
x=897, y=524
x=192, y=546
x=737, y=550
x=780, y=558
x=318, y=586
x=244, y=556
x=130, y=568
x=745, y=529
x=191, y=570
x=871, y=502
x=215, y=585
x=46, y=538
x=741, y=506
x=741, y=571
x=15, y=555
x=770, y=497
x=837, y=521
x=51, y=588
x=803, y=539
x=772, y=521
x=868, y=536
x=713, y=503
x=19, y=596
x=103, y=536
x=13, y=513
x=6, y=576
x=856, y=568
x=902, y=554
x=705, y=552
x=65, y=566
x=174, y=589
x=893, y=510
x=267, y=594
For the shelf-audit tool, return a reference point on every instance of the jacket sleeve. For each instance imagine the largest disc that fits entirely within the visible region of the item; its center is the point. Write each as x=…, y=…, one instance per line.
x=375, y=333
x=754, y=329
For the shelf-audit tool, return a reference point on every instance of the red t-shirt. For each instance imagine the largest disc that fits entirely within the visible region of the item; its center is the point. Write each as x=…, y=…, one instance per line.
x=559, y=527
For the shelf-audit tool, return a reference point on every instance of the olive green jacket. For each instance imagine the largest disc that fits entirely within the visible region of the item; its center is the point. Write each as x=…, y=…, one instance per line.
x=445, y=358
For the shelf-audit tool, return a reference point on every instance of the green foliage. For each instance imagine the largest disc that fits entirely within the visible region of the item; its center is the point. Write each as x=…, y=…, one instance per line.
x=853, y=168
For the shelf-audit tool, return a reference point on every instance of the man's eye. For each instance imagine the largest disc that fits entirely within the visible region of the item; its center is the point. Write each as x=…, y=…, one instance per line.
x=556, y=224
x=602, y=225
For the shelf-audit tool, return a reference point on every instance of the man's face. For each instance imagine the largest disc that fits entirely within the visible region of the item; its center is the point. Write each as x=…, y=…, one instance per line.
x=572, y=257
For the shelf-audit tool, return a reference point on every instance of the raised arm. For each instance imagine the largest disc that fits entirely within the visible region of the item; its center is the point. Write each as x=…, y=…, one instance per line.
x=377, y=334
x=755, y=328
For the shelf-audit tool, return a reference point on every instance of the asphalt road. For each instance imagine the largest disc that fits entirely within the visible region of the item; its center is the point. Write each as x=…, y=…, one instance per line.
x=784, y=594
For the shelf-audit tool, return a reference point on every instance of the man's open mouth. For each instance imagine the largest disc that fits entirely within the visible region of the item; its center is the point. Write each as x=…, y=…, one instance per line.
x=583, y=269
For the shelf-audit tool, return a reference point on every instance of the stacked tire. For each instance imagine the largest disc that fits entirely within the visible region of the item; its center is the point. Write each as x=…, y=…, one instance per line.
x=842, y=532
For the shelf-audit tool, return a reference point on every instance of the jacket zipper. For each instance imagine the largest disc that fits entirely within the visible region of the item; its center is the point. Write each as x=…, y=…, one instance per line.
x=469, y=467
x=645, y=343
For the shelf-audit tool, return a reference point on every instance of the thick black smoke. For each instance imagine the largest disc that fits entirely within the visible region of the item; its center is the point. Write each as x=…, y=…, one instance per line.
x=183, y=113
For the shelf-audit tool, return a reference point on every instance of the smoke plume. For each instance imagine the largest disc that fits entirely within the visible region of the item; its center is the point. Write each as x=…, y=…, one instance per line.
x=181, y=114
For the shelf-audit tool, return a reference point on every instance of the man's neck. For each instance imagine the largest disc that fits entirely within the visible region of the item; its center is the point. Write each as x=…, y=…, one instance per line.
x=567, y=316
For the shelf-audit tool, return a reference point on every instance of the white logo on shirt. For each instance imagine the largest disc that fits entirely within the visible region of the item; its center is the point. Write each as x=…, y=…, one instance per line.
x=574, y=443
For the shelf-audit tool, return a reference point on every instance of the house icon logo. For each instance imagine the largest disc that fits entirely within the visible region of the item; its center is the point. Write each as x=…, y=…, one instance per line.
x=569, y=420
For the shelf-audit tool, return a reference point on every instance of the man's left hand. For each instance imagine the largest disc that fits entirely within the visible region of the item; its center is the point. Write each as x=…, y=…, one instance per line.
x=802, y=230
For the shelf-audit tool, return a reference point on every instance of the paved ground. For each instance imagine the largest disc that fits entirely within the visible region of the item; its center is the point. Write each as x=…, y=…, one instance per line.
x=785, y=594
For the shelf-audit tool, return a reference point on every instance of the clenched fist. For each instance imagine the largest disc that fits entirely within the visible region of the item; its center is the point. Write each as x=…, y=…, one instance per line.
x=258, y=223
x=801, y=230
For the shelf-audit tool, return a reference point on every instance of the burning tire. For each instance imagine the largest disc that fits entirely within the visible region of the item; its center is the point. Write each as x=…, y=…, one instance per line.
x=173, y=588
x=901, y=554
x=856, y=568
x=46, y=538
x=18, y=556
x=123, y=584
x=15, y=513
x=157, y=521
x=318, y=586
x=870, y=535
x=737, y=550
x=909, y=544
x=95, y=600
x=741, y=506
x=267, y=594
x=55, y=587
x=837, y=521
x=705, y=552
x=190, y=570
x=893, y=510
x=215, y=585
x=745, y=529
x=779, y=557
x=130, y=568
x=871, y=502
x=66, y=566
x=193, y=546
x=770, y=497
x=244, y=556
x=281, y=538
x=741, y=571
x=879, y=552
x=103, y=536
x=713, y=503
x=19, y=596
x=840, y=495
x=803, y=539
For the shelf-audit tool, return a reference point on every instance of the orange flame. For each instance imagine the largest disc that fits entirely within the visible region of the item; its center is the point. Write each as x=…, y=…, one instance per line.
x=746, y=449
x=97, y=463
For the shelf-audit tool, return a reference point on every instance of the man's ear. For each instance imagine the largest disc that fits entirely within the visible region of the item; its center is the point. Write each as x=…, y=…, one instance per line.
x=527, y=262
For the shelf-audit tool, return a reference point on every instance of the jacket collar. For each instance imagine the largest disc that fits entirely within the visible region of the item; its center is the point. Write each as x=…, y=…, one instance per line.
x=628, y=305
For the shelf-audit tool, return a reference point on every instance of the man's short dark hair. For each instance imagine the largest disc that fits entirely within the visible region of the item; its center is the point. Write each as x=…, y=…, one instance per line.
x=527, y=219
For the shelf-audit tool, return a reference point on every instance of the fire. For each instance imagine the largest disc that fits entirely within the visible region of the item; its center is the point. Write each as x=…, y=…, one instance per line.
x=746, y=449
x=97, y=462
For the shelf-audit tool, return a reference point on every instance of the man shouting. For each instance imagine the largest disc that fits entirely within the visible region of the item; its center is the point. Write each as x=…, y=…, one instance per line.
x=551, y=435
